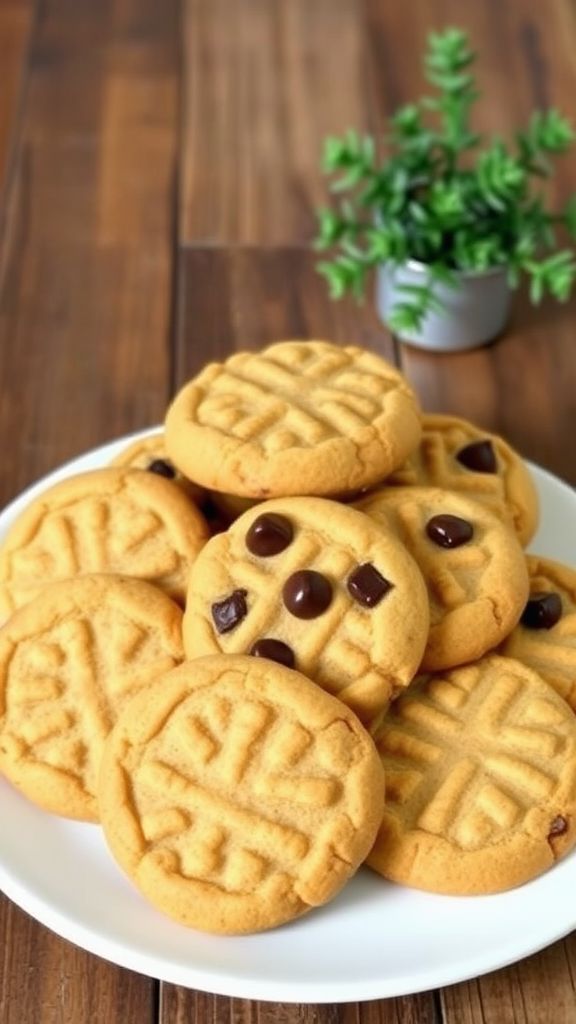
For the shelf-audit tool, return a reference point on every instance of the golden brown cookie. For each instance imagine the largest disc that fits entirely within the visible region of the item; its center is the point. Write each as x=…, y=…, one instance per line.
x=300, y=417
x=150, y=453
x=68, y=661
x=545, y=637
x=108, y=520
x=456, y=455
x=472, y=562
x=316, y=586
x=237, y=795
x=480, y=770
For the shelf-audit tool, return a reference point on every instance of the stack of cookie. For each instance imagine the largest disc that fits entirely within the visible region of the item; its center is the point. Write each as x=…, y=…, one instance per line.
x=372, y=667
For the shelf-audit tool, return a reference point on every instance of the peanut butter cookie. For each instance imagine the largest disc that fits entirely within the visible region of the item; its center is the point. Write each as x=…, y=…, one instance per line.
x=299, y=417
x=69, y=660
x=480, y=770
x=317, y=586
x=150, y=453
x=472, y=562
x=458, y=456
x=107, y=520
x=545, y=637
x=237, y=795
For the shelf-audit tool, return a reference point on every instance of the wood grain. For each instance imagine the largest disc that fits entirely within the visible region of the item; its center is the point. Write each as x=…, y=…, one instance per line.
x=15, y=25
x=45, y=980
x=178, y=1006
x=535, y=991
x=263, y=84
x=245, y=297
x=86, y=278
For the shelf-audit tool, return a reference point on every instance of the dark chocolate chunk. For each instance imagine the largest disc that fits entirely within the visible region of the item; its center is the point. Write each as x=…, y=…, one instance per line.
x=162, y=468
x=479, y=456
x=269, y=534
x=307, y=594
x=542, y=611
x=275, y=650
x=449, y=531
x=229, y=612
x=368, y=586
x=558, y=827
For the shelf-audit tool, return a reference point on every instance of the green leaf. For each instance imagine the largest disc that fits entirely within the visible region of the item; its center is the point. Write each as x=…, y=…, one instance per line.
x=432, y=200
x=406, y=317
x=536, y=288
x=330, y=228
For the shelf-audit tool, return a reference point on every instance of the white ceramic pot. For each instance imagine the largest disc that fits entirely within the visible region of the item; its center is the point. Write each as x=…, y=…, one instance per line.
x=472, y=314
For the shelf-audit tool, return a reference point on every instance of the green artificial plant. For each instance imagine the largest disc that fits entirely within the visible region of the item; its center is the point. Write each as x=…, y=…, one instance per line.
x=445, y=196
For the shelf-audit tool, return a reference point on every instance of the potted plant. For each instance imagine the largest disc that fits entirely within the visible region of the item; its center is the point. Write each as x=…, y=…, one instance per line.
x=448, y=220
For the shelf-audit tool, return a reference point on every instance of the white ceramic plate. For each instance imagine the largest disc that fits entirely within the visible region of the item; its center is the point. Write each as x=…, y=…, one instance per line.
x=374, y=941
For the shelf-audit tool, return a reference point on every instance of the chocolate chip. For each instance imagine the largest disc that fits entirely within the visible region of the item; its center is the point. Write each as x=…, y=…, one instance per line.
x=229, y=612
x=542, y=611
x=449, y=531
x=307, y=594
x=162, y=468
x=269, y=534
x=275, y=650
x=558, y=827
x=479, y=456
x=368, y=586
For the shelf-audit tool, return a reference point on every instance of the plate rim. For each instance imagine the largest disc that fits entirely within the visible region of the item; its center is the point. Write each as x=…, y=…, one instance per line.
x=222, y=982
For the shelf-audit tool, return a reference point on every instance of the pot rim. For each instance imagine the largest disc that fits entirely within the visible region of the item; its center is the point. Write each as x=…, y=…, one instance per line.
x=420, y=268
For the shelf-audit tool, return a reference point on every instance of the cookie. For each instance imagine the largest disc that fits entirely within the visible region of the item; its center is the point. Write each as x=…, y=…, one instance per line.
x=480, y=768
x=318, y=587
x=458, y=456
x=69, y=660
x=237, y=795
x=150, y=453
x=545, y=637
x=300, y=417
x=107, y=520
x=472, y=562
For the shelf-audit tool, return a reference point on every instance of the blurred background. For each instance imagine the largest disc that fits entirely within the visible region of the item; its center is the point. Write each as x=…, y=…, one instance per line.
x=160, y=169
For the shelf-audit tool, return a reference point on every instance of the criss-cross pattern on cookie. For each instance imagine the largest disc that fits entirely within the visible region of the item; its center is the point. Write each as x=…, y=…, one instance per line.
x=94, y=534
x=232, y=791
x=297, y=396
x=468, y=754
x=64, y=687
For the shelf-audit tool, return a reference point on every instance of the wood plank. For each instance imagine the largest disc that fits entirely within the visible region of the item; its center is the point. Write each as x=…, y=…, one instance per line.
x=15, y=25
x=534, y=991
x=85, y=327
x=525, y=57
x=87, y=271
x=179, y=1006
x=46, y=980
x=263, y=83
x=245, y=298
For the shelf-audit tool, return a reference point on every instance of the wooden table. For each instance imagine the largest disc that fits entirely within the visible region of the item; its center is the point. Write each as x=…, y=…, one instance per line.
x=158, y=176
